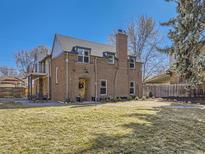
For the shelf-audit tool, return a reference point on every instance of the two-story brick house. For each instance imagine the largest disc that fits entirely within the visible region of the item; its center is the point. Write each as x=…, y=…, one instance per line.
x=85, y=70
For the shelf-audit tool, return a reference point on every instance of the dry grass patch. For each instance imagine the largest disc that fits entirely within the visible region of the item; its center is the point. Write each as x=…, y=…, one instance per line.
x=130, y=127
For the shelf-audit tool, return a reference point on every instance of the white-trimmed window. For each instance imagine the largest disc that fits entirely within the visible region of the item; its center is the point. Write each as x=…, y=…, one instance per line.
x=56, y=75
x=103, y=87
x=109, y=56
x=132, y=62
x=132, y=88
x=83, y=55
x=111, y=59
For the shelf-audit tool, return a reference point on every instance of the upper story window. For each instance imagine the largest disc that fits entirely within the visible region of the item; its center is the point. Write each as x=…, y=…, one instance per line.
x=132, y=62
x=110, y=57
x=83, y=55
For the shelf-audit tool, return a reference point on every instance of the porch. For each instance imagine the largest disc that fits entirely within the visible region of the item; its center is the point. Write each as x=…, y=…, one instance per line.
x=38, y=86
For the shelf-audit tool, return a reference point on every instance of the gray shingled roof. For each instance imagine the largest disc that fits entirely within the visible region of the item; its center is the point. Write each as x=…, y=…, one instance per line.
x=97, y=49
x=67, y=43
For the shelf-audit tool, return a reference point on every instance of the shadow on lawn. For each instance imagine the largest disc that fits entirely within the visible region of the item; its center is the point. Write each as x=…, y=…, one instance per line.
x=12, y=105
x=167, y=131
x=24, y=106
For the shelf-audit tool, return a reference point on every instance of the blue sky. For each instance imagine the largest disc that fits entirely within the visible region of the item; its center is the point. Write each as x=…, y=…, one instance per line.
x=25, y=24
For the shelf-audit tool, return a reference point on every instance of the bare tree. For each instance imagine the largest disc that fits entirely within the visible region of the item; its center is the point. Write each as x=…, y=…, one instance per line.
x=143, y=38
x=26, y=59
x=7, y=71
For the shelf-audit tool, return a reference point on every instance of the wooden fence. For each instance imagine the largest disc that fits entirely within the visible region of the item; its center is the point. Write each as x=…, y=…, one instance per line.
x=16, y=92
x=174, y=90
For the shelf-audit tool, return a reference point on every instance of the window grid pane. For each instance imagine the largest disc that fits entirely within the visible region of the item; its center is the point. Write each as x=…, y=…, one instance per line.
x=132, y=62
x=103, y=83
x=103, y=91
x=131, y=84
x=80, y=58
x=103, y=87
x=110, y=59
x=132, y=88
x=83, y=55
x=86, y=59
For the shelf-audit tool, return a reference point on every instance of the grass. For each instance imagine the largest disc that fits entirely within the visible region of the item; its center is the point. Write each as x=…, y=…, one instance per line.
x=131, y=127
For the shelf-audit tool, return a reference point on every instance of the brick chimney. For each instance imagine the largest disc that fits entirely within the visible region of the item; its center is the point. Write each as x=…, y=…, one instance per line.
x=121, y=81
x=121, y=48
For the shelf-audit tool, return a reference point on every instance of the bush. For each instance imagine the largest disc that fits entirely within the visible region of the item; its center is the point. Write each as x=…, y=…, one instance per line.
x=119, y=99
x=136, y=98
x=130, y=98
x=111, y=99
x=107, y=99
x=144, y=98
x=67, y=100
x=115, y=99
x=150, y=94
x=102, y=100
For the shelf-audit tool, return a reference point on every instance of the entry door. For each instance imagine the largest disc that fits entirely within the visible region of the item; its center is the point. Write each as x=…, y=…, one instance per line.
x=83, y=88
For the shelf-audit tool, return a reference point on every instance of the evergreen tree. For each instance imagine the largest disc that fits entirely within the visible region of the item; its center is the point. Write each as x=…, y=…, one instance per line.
x=187, y=36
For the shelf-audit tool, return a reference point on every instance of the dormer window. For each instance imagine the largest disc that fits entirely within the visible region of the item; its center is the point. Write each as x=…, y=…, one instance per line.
x=83, y=55
x=110, y=57
x=132, y=62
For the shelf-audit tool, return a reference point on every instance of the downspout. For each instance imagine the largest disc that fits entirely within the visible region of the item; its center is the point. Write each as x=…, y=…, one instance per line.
x=50, y=78
x=96, y=80
x=48, y=75
x=66, y=76
x=116, y=73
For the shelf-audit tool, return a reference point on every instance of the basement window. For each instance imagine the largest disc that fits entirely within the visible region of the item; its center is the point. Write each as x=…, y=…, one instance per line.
x=132, y=88
x=103, y=87
x=83, y=55
x=132, y=62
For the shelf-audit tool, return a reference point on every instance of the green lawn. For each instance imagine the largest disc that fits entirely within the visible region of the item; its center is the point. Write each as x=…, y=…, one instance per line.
x=131, y=127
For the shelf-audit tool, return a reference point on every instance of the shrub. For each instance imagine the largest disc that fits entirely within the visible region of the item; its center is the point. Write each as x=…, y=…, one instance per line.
x=144, y=98
x=136, y=98
x=130, y=98
x=119, y=99
x=115, y=99
x=107, y=99
x=150, y=94
x=111, y=99
x=102, y=100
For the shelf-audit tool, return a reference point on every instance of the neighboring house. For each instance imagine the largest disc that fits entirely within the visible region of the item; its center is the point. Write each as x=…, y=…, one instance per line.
x=83, y=70
x=12, y=87
x=170, y=84
x=167, y=78
x=159, y=79
x=11, y=82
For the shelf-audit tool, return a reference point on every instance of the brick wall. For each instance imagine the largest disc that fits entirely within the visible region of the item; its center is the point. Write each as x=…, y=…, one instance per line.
x=58, y=89
x=97, y=69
